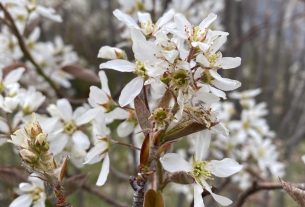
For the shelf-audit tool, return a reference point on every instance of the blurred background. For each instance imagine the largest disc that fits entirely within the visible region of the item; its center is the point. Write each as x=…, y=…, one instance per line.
x=269, y=36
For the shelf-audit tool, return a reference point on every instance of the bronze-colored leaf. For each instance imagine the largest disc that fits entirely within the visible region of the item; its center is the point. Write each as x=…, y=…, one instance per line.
x=165, y=100
x=143, y=114
x=181, y=178
x=183, y=129
x=12, y=176
x=12, y=67
x=74, y=183
x=153, y=199
x=144, y=154
x=297, y=194
x=63, y=169
x=81, y=73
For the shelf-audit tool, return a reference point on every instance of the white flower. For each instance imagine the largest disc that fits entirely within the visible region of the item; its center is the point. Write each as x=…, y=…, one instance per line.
x=146, y=24
x=30, y=194
x=9, y=83
x=144, y=53
x=30, y=100
x=100, y=150
x=202, y=170
x=69, y=136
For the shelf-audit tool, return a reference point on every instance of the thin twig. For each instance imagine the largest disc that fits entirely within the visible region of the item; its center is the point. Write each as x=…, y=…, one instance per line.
x=96, y=191
x=257, y=187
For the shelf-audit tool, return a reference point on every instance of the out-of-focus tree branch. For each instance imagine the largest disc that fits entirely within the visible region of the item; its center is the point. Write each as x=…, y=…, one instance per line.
x=11, y=24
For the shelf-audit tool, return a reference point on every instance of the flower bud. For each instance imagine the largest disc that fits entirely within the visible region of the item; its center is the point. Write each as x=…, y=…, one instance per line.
x=28, y=156
x=33, y=130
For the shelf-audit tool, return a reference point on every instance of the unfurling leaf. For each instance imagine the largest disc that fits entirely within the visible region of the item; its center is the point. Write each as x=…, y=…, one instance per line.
x=144, y=154
x=183, y=129
x=297, y=194
x=165, y=100
x=63, y=169
x=181, y=178
x=11, y=67
x=153, y=199
x=143, y=114
x=81, y=73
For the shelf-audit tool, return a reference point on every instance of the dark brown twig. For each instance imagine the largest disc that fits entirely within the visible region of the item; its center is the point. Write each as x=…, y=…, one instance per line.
x=96, y=191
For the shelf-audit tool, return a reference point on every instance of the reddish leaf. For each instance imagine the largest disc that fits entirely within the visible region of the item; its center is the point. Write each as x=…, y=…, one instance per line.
x=164, y=102
x=81, y=73
x=143, y=115
x=183, y=129
x=12, y=67
x=153, y=199
x=144, y=154
x=181, y=178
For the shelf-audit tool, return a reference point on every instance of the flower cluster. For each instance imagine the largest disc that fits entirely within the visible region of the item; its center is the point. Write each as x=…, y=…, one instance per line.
x=250, y=133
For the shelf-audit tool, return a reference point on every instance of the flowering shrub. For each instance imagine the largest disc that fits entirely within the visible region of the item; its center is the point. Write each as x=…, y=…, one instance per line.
x=175, y=96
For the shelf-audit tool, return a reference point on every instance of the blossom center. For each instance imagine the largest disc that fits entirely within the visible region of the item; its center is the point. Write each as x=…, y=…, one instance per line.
x=199, y=170
x=36, y=193
x=2, y=86
x=206, y=77
x=140, y=69
x=70, y=127
x=180, y=78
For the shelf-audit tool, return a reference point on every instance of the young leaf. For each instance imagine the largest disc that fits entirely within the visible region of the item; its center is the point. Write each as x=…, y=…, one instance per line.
x=183, y=129
x=153, y=199
x=144, y=154
x=143, y=114
x=81, y=73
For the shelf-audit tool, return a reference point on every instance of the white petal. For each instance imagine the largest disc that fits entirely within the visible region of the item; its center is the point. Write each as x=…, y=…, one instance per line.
x=26, y=187
x=224, y=201
x=126, y=19
x=143, y=50
x=198, y=200
x=116, y=114
x=206, y=97
x=104, y=82
x=229, y=62
x=202, y=143
x=224, y=168
x=303, y=158
x=144, y=17
x=173, y=162
x=81, y=140
x=87, y=116
x=130, y=91
x=218, y=43
x=111, y=53
x=65, y=109
x=220, y=129
x=202, y=60
x=13, y=76
x=119, y=65
x=165, y=18
x=125, y=128
x=208, y=21
x=58, y=144
x=182, y=23
x=97, y=97
x=96, y=153
x=22, y=201
x=104, y=172
x=224, y=84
